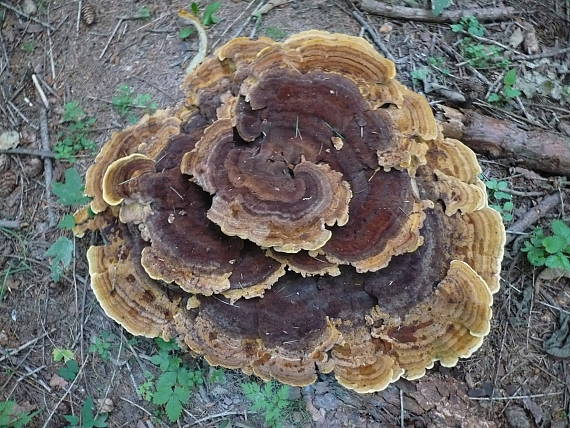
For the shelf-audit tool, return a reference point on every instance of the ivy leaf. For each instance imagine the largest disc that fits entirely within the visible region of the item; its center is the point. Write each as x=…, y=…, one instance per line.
x=60, y=354
x=69, y=370
x=67, y=222
x=185, y=32
x=61, y=253
x=437, y=6
x=70, y=192
x=209, y=18
x=554, y=244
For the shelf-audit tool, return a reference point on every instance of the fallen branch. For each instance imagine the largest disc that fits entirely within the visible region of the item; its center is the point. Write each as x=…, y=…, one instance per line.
x=374, y=35
x=536, y=149
x=532, y=216
x=28, y=152
x=425, y=15
x=10, y=224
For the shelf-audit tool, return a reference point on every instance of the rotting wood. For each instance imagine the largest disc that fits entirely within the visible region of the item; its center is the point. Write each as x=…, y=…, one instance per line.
x=425, y=15
x=536, y=149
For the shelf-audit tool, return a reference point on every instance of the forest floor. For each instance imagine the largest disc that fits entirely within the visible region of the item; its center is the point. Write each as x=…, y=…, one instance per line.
x=513, y=380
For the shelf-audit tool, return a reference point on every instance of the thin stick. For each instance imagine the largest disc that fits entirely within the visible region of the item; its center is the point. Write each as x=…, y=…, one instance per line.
x=401, y=409
x=52, y=412
x=111, y=37
x=374, y=35
x=218, y=415
x=544, y=54
x=79, y=5
x=25, y=15
x=40, y=91
x=10, y=224
x=48, y=172
x=517, y=397
x=25, y=345
x=29, y=152
x=425, y=15
x=533, y=215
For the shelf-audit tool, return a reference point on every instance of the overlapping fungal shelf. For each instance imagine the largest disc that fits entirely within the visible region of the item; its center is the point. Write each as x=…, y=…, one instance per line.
x=298, y=212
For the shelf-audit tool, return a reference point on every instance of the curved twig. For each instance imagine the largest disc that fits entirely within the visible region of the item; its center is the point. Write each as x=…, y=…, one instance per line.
x=202, y=36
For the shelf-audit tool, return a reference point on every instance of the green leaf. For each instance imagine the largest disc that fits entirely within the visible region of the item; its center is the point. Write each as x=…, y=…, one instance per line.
x=420, y=74
x=185, y=32
x=561, y=229
x=457, y=28
x=554, y=244
x=61, y=253
x=558, y=261
x=536, y=257
x=510, y=77
x=166, y=380
x=494, y=98
x=437, y=6
x=71, y=191
x=508, y=206
x=511, y=93
x=72, y=112
x=161, y=396
x=181, y=393
x=67, y=222
x=209, y=17
x=498, y=195
x=69, y=370
x=61, y=354
x=143, y=12
x=195, y=8
x=173, y=409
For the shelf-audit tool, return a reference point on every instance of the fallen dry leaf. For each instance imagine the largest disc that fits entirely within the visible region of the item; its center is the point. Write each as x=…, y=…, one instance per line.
x=530, y=41
x=386, y=27
x=57, y=381
x=516, y=38
x=105, y=405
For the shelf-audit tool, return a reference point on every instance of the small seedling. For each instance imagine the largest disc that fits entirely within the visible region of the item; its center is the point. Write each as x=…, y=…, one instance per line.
x=62, y=354
x=509, y=92
x=217, y=376
x=438, y=6
x=71, y=191
x=275, y=33
x=483, y=56
x=74, y=138
x=271, y=400
x=143, y=12
x=69, y=370
x=28, y=46
x=88, y=417
x=10, y=419
x=173, y=387
x=102, y=345
x=502, y=202
x=208, y=18
x=126, y=100
x=439, y=64
x=469, y=24
x=61, y=254
x=420, y=74
x=552, y=251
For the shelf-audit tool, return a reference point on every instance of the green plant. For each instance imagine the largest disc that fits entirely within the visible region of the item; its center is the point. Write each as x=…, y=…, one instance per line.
x=69, y=370
x=28, y=46
x=175, y=383
x=143, y=12
x=61, y=254
x=74, y=137
x=471, y=25
x=208, y=18
x=10, y=419
x=439, y=64
x=126, y=100
x=62, y=354
x=70, y=192
x=275, y=33
x=67, y=222
x=420, y=74
x=89, y=417
x=501, y=201
x=102, y=345
x=271, y=400
x=437, y=6
x=552, y=251
x=508, y=92
x=483, y=56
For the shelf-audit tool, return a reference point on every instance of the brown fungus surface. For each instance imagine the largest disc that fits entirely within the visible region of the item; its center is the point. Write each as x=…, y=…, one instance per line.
x=299, y=212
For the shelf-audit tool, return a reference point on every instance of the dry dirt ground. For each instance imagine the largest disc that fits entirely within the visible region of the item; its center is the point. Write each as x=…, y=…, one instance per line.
x=510, y=381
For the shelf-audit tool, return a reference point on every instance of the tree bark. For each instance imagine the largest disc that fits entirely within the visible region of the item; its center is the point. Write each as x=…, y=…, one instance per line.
x=414, y=14
x=535, y=149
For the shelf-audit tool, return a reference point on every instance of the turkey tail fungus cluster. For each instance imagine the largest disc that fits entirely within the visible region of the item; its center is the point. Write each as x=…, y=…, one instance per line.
x=298, y=212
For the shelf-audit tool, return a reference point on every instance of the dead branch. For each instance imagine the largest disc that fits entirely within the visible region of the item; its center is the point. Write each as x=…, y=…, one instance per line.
x=414, y=14
x=532, y=216
x=536, y=149
x=10, y=224
x=48, y=171
x=28, y=152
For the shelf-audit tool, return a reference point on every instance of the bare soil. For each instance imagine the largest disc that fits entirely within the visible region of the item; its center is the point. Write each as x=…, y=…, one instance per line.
x=510, y=381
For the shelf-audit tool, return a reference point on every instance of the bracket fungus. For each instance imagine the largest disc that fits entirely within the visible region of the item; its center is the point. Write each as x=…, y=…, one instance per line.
x=298, y=212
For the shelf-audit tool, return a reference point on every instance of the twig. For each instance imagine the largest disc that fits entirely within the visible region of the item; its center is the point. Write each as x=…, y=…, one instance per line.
x=40, y=91
x=29, y=152
x=52, y=412
x=25, y=345
x=79, y=6
x=544, y=54
x=519, y=193
x=217, y=415
x=401, y=409
x=233, y=23
x=425, y=15
x=25, y=15
x=111, y=37
x=10, y=224
x=202, y=37
x=533, y=215
x=48, y=172
x=517, y=397
x=374, y=35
